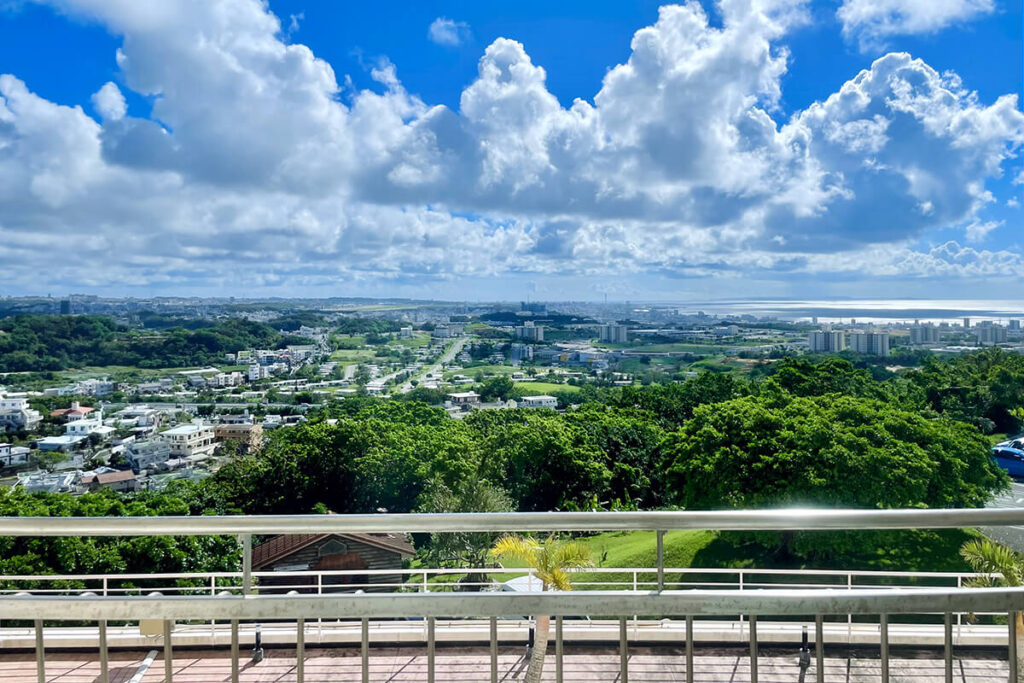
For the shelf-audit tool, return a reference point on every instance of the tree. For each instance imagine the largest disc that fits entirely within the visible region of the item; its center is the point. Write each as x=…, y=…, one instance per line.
x=836, y=451
x=463, y=549
x=48, y=459
x=998, y=566
x=497, y=388
x=549, y=559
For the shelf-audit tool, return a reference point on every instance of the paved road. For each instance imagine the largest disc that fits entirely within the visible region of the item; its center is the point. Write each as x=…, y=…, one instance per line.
x=1012, y=536
x=446, y=358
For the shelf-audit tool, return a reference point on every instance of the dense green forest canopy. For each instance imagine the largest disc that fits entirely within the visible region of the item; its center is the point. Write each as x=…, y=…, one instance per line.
x=57, y=342
x=814, y=432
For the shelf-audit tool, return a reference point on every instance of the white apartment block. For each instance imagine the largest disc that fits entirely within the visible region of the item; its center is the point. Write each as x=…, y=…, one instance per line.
x=616, y=334
x=190, y=440
x=530, y=332
x=826, y=341
x=870, y=343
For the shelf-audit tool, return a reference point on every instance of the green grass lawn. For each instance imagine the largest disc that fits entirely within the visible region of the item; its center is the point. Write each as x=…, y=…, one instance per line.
x=349, y=356
x=414, y=342
x=542, y=388
x=924, y=550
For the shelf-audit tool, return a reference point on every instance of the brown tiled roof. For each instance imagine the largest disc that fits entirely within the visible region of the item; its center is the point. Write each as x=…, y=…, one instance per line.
x=280, y=547
x=109, y=477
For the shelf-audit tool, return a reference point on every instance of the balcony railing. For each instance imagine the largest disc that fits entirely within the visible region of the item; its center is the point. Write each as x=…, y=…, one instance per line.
x=650, y=595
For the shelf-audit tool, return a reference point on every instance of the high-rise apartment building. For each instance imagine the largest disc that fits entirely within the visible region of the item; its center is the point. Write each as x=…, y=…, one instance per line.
x=924, y=334
x=616, y=334
x=870, y=343
x=991, y=334
x=826, y=341
x=530, y=332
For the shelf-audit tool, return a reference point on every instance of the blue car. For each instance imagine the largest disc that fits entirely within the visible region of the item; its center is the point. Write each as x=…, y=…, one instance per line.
x=1010, y=459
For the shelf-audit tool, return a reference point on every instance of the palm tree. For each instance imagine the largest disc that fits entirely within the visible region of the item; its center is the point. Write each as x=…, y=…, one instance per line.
x=549, y=559
x=997, y=565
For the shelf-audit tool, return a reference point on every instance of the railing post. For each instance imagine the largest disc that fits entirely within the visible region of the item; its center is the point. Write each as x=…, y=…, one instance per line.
x=623, y=652
x=246, y=563
x=819, y=648
x=365, y=652
x=947, y=639
x=168, y=653
x=559, y=664
x=430, y=650
x=883, y=637
x=753, y=648
x=300, y=650
x=494, y=649
x=661, y=560
x=1012, y=639
x=40, y=653
x=234, y=651
x=104, y=654
x=689, y=648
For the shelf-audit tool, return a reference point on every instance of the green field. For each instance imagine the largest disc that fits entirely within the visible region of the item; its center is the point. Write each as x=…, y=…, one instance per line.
x=485, y=370
x=538, y=388
x=931, y=550
x=414, y=342
x=344, y=357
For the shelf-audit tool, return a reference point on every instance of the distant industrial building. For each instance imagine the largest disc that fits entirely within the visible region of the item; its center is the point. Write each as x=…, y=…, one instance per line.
x=530, y=332
x=870, y=343
x=826, y=341
x=616, y=334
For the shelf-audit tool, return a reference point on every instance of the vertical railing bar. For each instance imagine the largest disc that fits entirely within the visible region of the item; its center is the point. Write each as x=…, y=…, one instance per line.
x=819, y=648
x=753, y=648
x=947, y=640
x=740, y=581
x=168, y=653
x=234, y=651
x=494, y=649
x=1013, y=645
x=366, y=649
x=883, y=636
x=40, y=653
x=689, y=648
x=319, y=620
x=104, y=654
x=661, y=560
x=623, y=651
x=849, y=617
x=430, y=650
x=246, y=563
x=300, y=650
x=559, y=664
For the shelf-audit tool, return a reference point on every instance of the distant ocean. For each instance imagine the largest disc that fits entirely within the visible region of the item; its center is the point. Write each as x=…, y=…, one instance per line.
x=866, y=310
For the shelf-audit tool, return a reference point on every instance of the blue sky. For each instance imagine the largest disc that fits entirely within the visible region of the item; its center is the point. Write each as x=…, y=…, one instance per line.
x=434, y=149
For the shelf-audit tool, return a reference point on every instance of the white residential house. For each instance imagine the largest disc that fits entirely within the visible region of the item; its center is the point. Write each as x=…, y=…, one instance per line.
x=148, y=454
x=17, y=415
x=464, y=398
x=190, y=440
x=89, y=425
x=12, y=455
x=538, y=402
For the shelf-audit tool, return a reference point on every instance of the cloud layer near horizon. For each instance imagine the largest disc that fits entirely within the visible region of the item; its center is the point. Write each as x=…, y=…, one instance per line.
x=255, y=166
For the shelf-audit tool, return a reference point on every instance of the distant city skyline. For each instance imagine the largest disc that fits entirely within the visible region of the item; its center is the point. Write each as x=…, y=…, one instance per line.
x=460, y=151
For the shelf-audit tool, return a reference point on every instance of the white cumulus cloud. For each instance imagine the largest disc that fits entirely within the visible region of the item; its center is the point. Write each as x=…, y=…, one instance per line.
x=874, y=22
x=445, y=31
x=253, y=171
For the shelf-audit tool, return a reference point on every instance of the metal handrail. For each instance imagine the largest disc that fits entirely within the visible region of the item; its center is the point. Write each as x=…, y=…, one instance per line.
x=786, y=519
x=582, y=603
